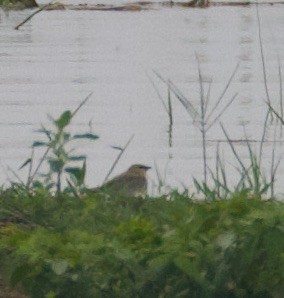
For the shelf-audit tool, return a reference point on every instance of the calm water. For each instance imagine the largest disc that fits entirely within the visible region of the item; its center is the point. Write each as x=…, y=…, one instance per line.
x=57, y=59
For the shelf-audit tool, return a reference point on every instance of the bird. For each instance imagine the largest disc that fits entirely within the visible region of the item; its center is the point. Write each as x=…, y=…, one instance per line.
x=131, y=183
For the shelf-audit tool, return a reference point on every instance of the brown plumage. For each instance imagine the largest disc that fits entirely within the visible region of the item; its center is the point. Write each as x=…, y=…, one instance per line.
x=131, y=183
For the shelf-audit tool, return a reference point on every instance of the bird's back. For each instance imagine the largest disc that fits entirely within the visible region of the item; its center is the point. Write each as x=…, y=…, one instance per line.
x=126, y=185
x=131, y=183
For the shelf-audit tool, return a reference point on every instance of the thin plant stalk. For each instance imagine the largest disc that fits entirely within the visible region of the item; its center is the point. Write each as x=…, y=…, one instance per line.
x=170, y=113
x=255, y=168
x=220, y=178
x=122, y=150
x=280, y=93
x=271, y=109
x=262, y=53
x=280, y=89
x=58, y=183
x=202, y=121
x=30, y=168
x=73, y=189
x=273, y=174
x=274, y=165
x=82, y=104
x=32, y=15
x=16, y=175
x=208, y=95
x=265, y=82
x=222, y=111
x=167, y=108
x=223, y=92
x=38, y=166
x=170, y=109
x=233, y=148
x=184, y=101
x=264, y=133
x=158, y=93
x=161, y=181
x=217, y=167
x=6, y=173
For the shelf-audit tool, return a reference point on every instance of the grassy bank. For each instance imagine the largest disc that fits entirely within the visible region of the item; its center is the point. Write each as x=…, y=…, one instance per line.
x=58, y=239
x=133, y=247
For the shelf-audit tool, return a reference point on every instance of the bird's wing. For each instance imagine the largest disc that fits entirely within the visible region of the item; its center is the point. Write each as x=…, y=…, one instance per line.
x=124, y=184
x=111, y=183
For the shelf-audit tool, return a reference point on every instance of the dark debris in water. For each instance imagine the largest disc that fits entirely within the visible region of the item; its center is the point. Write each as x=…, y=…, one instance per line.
x=146, y=5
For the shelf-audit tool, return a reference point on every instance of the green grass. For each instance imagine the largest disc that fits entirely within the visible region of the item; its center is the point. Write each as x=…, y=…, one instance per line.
x=134, y=247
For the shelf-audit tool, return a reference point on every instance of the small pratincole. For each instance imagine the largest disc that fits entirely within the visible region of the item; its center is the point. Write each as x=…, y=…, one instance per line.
x=131, y=183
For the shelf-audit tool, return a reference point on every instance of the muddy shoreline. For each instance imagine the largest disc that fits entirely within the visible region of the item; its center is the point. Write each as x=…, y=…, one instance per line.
x=138, y=6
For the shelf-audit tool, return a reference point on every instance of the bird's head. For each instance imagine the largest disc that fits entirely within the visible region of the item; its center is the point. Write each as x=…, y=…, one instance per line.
x=138, y=170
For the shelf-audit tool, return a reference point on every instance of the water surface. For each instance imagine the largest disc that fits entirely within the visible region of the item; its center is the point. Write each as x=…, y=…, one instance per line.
x=57, y=59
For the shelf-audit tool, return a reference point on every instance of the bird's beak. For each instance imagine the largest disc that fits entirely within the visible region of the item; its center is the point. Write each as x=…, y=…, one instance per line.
x=147, y=168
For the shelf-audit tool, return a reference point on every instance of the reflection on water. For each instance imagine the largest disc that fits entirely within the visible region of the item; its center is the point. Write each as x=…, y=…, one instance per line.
x=54, y=61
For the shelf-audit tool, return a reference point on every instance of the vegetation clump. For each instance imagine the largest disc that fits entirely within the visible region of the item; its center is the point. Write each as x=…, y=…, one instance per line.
x=18, y=4
x=64, y=247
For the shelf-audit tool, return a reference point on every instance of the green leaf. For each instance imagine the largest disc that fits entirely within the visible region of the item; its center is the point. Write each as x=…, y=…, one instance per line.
x=88, y=136
x=38, y=184
x=28, y=161
x=264, y=189
x=197, y=185
x=55, y=165
x=77, y=158
x=63, y=120
x=39, y=144
x=77, y=173
x=72, y=170
x=83, y=171
x=66, y=136
x=47, y=132
x=117, y=148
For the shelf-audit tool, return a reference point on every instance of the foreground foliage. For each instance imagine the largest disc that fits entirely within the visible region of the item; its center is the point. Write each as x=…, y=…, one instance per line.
x=118, y=247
